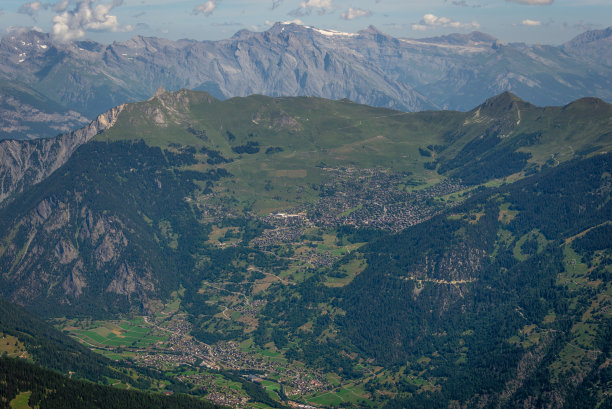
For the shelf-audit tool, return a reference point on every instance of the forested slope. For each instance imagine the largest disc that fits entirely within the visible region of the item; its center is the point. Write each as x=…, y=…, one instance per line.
x=500, y=301
x=45, y=389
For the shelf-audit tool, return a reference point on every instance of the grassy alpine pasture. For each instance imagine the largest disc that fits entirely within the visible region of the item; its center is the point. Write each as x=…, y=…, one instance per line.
x=295, y=138
x=21, y=401
x=12, y=347
x=133, y=333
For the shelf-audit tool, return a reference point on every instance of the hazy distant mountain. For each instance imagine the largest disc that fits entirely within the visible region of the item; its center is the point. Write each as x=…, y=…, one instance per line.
x=453, y=72
x=592, y=45
x=27, y=114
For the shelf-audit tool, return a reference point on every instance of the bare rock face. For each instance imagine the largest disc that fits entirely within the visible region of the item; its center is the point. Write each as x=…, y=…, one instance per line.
x=456, y=71
x=110, y=248
x=65, y=252
x=75, y=282
x=171, y=107
x=26, y=163
x=72, y=242
x=46, y=259
x=127, y=282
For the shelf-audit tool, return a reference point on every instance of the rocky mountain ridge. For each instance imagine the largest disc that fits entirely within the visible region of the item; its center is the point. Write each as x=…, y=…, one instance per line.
x=452, y=72
x=26, y=163
x=592, y=44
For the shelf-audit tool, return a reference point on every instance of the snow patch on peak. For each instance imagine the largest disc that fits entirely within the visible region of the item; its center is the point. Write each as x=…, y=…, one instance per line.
x=332, y=33
x=325, y=32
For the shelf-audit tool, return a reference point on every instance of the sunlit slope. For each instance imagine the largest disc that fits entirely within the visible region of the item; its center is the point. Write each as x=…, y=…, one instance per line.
x=293, y=138
x=108, y=229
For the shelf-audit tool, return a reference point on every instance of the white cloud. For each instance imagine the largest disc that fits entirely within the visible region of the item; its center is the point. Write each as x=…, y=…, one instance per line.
x=352, y=13
x=531, y=23
x=306, y=7
x=533, y=2
x=22, y=29
x=206, y=8
x=86, y=16
x=32, y=8
x=1, y=12
x=432, y=21
x=61, y=5
x=324, y=4
x=294, y=21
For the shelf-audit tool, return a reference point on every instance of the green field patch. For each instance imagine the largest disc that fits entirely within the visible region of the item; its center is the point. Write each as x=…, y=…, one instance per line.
x=424, y=360
x=573, y=262
x=457, y=196
x=428, y=179
x=246, y=345
x=12, y=347
x=504, y=239
x=529, y=244
x=270, y=385
x=272, y=355
x=224, y=235
x=89, y=337
x=346, y=273
x=349, y=211
x=21, y=401
x=268, y=353
x=549, y=318
x=333, y=379
x=326, y=399
x=352, y=394
x=339, y=251
x=574, y=276
x=118, y=334
x=260, y=405
x=322, y=248
x=272, y=394
x=223, y=382
x=505, y=214
x=173, y=306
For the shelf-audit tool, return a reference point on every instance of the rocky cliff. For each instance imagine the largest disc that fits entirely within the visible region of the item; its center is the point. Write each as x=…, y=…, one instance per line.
x=454, y=72
x=25, y=163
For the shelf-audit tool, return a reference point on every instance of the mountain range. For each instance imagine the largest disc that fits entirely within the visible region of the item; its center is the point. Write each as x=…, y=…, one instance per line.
x=238, y=153
x=65, y=82
x=268, y=251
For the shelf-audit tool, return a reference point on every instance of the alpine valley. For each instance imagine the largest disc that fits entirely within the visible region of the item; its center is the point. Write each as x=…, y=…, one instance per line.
x=283, y=251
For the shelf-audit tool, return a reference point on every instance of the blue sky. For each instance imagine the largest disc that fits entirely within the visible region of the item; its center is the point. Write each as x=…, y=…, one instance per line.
x=530, y=21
